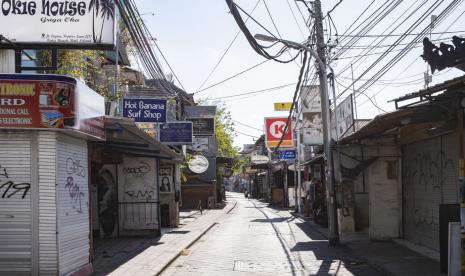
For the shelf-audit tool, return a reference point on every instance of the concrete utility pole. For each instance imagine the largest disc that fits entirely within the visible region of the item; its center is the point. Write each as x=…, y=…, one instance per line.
x=319, y=55
x=329, y=175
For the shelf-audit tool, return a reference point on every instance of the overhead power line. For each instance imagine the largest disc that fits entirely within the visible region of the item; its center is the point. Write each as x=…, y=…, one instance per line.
x=246, y=125
x=254, y=92
x=225, y=52
x=233, y=76
x=394, y=35
x=253, y=136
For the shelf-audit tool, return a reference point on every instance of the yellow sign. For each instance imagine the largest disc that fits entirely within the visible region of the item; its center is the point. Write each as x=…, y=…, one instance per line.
x=282, y=106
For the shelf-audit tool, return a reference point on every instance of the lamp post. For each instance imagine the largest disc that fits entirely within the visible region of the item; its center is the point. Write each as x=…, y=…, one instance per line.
x=329, y=175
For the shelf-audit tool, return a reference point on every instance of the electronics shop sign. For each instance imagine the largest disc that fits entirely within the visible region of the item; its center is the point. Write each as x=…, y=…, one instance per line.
x=145, y=110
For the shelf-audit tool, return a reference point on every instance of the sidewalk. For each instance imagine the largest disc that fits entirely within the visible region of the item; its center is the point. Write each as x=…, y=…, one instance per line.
x=150, y=256
x=388, y=257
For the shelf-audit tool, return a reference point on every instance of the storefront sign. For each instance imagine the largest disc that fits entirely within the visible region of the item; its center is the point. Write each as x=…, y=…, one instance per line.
x=176, y=133
x=203, y=126
x=198, y=164
x=275, y=131
x=310, y=99
x=282, y=106
x=342, y=119
x=72, y=24
x=287, y=154
x=199, y=144
x=145, y=110
x=259, y=159
x=50, y=101
x=312, y=132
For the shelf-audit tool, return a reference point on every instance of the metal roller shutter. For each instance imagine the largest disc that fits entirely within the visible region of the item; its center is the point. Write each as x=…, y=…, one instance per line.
x=422, y=192
x=430, y=178
x=73, y=204
x=15, y=204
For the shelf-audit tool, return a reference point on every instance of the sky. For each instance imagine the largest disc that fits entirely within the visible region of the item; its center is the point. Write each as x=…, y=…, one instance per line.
x=193, y=35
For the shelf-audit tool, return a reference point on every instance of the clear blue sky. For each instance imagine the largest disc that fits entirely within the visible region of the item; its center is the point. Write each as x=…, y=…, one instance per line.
x=194, y=34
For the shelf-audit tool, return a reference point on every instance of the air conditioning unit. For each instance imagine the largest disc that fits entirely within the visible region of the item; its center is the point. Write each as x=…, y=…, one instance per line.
x=110, y=108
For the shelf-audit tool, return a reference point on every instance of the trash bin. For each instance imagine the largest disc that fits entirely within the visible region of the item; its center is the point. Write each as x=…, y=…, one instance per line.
x=165, y=215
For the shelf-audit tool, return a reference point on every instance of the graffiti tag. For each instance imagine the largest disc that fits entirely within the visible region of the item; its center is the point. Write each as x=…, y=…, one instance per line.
x=142, y=169
x=11, y=189
x=3, y=172
x=75, y=193
x=147, y=195
x=73, y=166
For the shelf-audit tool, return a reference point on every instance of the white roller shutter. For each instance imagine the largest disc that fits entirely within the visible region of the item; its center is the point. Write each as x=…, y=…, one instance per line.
x=15, y=204
x=73, y=204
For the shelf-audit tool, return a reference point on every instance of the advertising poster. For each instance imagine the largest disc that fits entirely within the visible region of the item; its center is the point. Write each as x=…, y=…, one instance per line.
x=28, y=103
x=166, y=178
x=74, y=24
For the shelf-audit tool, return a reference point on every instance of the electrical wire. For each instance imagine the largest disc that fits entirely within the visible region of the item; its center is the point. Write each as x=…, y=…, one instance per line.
x=225, y=52
x=246, y=125
x=255, y=92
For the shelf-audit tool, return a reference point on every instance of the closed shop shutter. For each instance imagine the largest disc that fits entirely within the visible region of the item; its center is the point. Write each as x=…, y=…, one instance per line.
x=429, y=179
x=73, y=204
x=450, y=159
x=15, y=204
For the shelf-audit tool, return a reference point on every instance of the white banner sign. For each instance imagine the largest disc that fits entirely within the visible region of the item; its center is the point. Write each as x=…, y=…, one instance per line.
x=342, y=119
x=312, y=132
x=310, y=99
x=72, y=23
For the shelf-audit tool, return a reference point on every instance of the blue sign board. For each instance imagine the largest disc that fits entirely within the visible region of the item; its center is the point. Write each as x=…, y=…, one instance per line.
x=287, y=154
x=176, y=133
x=145, y=110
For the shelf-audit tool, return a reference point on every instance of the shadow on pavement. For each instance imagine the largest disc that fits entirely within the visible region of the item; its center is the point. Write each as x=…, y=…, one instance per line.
x=329, y=259
x=112, y=253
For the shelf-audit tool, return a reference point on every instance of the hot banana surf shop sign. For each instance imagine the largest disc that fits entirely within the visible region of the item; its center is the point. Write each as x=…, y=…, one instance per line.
x=50, y=102
x=64, y=23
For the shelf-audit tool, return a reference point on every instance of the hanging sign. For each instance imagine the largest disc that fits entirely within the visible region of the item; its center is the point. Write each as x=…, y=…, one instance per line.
x=71, y=24
x=282, y=106
x=342, y=119
x=203, y=126
x=145, y=110
x=198, y=164
x=287, y=154
x=259, y=159
x=176, y=133
x=275, y=130
x=312, y=132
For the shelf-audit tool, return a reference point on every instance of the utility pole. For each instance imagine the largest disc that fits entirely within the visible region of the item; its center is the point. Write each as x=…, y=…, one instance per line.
x=329, y=174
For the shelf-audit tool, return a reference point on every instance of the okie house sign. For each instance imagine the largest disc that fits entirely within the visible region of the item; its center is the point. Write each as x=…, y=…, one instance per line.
x=145, y=110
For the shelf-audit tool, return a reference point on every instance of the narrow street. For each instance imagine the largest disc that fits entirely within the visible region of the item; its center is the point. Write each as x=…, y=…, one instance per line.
x=254, y=239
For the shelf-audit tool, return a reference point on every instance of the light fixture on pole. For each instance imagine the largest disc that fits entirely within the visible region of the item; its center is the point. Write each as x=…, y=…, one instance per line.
x=329, y=176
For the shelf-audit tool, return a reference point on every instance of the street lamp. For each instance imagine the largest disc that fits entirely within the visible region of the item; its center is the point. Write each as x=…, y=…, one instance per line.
x=330, y=187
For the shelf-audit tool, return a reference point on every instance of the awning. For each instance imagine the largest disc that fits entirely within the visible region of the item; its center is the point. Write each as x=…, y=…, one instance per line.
x=315, y=159
x=124, y=136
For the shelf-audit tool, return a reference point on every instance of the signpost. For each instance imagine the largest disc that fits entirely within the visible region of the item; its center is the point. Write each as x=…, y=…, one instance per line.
x=145, y=110
x=68, y=24
x=275, y=130
x=176, y=133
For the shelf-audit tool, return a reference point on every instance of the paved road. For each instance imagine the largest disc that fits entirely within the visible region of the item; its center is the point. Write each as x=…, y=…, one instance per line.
x=254, y=239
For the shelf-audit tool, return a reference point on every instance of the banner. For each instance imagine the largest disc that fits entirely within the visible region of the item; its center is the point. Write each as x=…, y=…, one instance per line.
x=66, y=23
x=274, y=128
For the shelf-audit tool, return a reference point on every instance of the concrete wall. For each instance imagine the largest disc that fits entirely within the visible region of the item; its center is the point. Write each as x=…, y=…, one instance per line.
x=371, y=190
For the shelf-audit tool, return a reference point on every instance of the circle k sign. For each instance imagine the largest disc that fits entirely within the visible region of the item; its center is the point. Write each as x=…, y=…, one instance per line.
x=275, y=130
